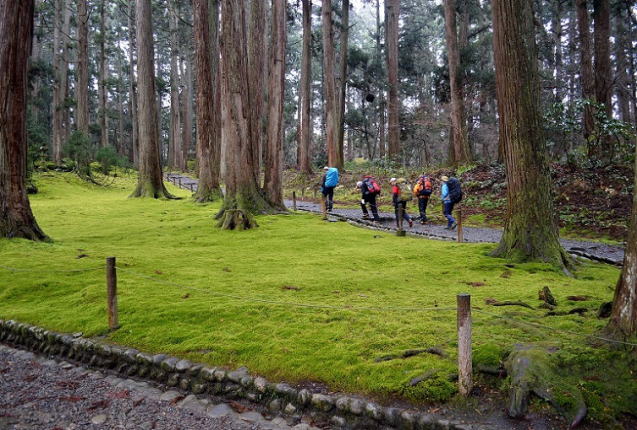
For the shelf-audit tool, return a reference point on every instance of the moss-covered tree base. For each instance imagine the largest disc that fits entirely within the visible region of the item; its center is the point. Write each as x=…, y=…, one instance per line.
x=531, y=372
x=236, y=219
x=18, y=230
x=238, y=211
x=147, y=189
x=533, y=246
x=208, y=195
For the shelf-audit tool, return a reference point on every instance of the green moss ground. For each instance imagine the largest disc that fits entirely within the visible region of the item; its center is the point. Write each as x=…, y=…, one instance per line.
x=291, y=259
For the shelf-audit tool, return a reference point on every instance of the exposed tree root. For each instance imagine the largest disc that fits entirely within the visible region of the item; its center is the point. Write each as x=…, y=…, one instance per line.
x=236, y=219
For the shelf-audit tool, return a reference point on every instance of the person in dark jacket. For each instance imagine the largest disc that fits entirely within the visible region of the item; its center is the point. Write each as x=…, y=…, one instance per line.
x=422, y=191
x=400, y=199
x=369, y=190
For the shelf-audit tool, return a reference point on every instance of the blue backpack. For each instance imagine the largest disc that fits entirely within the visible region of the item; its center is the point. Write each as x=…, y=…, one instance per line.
x=331, y=177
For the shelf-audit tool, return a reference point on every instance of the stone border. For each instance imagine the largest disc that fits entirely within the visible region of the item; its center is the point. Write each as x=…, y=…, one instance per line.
x=341, y=411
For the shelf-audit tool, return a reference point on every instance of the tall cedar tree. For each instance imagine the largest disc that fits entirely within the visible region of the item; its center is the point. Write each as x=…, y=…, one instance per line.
x=186, y=135
x=381, y=87
x=393, y=132
x=103, y=92
x=329, y=88
x=61, y=24
x=82, y=68
x=586, y=65
x=150, y=181
x=603, y=74
x=305, y=96
x=207, y=99
x=460, y=153
x=623, y=318
x=272, y=183
x=530, y=230
x=342, y=75
x=132, y=84
x=16, y=31
x=258, y=73
x=174, y=141
x=243, y=198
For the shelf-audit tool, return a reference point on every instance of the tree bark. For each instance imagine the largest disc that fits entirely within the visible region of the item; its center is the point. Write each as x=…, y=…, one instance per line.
x=530, y=230
x=186, y=139
x=103, y=116
x=381, y=89
x=623, y=318
x=82, y=68
x=174, y=141
x=329, y=88
x=603, y=73
x=206, y=98
x=622, y=82
x=391, y=43
x=342, y=75
x=16, y=32
x=150, y=181
x=460, y=153
x=243, y=198
x=60, y=65
x=132, y=83
x=258, y=72
x=305, y=96
x=586, y=61
x=272, y=183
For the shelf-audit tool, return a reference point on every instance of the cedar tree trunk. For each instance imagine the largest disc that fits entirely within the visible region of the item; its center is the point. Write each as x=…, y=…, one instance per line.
x=208, y=143
x=586, y=64
x=393, y=132
x=243, y=198
x=16, y=32
x=150, y=181
x=331, y=113
x=530, y=230
x=82, y=68
x=174, y=141
x=305, y=96
x=276, y=94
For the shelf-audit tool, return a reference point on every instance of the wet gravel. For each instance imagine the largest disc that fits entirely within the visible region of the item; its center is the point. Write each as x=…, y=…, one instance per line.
x=36, y=393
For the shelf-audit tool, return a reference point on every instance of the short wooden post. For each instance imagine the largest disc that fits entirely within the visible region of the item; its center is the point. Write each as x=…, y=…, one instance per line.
x=111, y=289
x=192, y=187
x=294, y=200
x=399, y=221
x=314, y=193
x=460, y=232
x=180, y=182
x=324, y=205
x=465, y=382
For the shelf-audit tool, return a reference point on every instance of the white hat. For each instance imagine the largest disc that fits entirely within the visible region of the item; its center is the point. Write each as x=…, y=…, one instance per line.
x=392, y=180
x=359, y=184
x=326, y=168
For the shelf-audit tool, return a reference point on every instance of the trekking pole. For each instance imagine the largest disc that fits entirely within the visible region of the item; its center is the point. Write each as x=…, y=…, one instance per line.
x=460, y=232
x=465, y=383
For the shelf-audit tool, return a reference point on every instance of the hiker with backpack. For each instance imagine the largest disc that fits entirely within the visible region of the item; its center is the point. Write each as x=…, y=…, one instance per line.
x=422, y=191
x=329, y=182
x=451, y=194
x=401, y=194
x=369, y=190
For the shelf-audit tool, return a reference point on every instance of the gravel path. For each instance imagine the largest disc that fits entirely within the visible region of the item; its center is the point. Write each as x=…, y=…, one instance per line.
x=593, y=250
x=36, y=393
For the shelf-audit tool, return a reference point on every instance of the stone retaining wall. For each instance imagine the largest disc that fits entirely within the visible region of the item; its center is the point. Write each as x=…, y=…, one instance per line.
x=341, y=411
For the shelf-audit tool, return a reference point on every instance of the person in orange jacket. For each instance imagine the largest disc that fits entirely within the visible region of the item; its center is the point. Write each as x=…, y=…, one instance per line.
x=422, y=191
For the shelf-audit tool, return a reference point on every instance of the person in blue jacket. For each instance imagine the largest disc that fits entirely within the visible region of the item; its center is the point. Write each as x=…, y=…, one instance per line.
x=329, y=182
x=447, y=203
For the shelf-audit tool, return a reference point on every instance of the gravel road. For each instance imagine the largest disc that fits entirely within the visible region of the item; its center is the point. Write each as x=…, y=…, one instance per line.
x=36, y=393
x=593, y=250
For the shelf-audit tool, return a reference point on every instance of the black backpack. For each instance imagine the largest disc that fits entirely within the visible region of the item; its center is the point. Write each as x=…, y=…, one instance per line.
x=455, y=190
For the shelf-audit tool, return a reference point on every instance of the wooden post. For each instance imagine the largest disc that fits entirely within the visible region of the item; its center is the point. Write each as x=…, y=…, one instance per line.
x=399, y=221
x=294, y=201
x=111, y=289
x=465, y=383
x=180, y=182
x=324, y=205
x=460, y=232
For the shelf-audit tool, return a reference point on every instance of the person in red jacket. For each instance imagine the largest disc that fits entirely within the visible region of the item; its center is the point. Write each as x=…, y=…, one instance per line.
x=400, y=198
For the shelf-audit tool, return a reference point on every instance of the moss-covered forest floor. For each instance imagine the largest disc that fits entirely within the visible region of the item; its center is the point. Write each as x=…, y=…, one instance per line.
x=231, y=298
x=589, y=203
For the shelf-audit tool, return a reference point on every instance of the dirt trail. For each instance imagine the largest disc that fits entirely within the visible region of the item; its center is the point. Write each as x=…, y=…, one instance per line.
x=597, y=251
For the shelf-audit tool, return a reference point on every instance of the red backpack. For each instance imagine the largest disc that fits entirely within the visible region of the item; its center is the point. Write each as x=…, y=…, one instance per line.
x=372, y=185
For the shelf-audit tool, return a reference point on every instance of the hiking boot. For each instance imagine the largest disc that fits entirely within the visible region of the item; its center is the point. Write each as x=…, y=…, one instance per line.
x=453, y=226
x=422, y=222
x=411, y=223
x=366, y=217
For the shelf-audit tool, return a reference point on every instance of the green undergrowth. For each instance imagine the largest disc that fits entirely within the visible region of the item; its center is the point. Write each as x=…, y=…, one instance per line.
x=190, y=289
